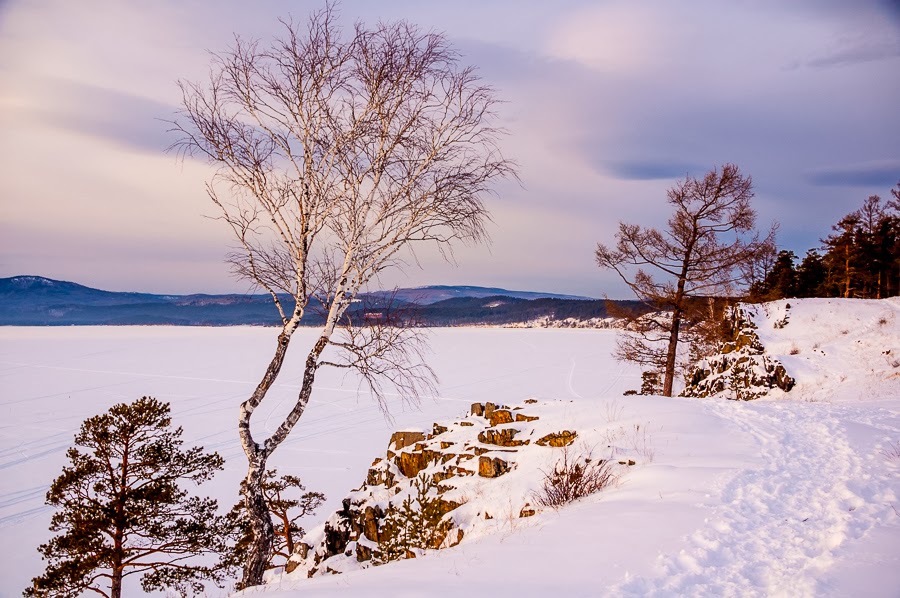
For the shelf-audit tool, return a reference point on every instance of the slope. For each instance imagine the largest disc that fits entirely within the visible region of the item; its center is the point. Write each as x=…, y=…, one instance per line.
x=795, y=494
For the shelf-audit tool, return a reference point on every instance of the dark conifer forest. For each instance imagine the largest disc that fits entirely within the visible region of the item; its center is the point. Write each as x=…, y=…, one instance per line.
x=860, y=258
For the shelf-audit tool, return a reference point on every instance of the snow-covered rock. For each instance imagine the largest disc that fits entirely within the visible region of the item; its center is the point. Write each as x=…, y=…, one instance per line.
x=461, y=479
x=741, y=369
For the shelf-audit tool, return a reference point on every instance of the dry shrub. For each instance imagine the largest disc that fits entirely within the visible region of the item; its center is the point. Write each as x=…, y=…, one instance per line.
x=892, y=451
x=574, y=477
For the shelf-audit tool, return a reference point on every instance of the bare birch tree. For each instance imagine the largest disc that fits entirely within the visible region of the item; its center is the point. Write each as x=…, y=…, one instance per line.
x=696, y=259
x=336, y=152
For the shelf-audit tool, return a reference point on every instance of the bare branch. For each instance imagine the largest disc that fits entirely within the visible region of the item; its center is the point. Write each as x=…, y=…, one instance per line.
x=336, y=153
x=708, y=250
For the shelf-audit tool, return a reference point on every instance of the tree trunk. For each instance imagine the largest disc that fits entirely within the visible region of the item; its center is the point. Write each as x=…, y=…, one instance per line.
x=847, y=274
x=677, y=310
x=672, y=352
x=115, y=590
x=262, y=532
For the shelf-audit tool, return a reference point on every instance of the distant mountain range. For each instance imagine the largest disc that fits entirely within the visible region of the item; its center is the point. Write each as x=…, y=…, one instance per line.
x=39, y=301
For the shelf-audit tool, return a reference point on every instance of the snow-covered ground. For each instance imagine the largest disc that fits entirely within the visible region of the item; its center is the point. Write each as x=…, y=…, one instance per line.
x=795, y=495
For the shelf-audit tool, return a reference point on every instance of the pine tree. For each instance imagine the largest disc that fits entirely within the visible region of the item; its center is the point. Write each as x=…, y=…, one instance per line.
x=121, y=509
x=841, y=256
x=862, y=257
x=811, y=275
x=780, y=282
x=288, y=503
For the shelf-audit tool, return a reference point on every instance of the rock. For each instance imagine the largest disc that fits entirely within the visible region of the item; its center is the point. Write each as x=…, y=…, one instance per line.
x=558, y=439
x=401, y=440
x=530, y=401
x=409, y=488
x=380, y=476
x=410, y=463
x=459, y=537
x=492, y=467
x=370, y=522
x=504, y=437
x=740, y=370
x=500, y=416
x=490, y=408
x=337, y=531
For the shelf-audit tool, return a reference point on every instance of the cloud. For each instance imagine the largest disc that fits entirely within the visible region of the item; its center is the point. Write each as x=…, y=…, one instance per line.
x=882, y=173
x=867, y=50
x=125, y=119
x=649, y=170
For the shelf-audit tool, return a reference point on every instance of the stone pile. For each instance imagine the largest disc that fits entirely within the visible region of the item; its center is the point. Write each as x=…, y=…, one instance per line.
x=410, y=501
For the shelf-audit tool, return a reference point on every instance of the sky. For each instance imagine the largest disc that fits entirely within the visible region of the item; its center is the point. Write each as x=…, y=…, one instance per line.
x=607, y=104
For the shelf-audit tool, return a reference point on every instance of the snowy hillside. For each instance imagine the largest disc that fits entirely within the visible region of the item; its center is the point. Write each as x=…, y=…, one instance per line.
x=795, y=494
x=836, y=349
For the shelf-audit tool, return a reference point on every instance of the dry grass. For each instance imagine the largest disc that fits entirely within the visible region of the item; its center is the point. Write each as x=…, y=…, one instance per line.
x=892, y=451
x=574, y=477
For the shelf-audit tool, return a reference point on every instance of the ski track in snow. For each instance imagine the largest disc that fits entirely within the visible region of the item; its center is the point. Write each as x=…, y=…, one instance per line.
x=779, y=526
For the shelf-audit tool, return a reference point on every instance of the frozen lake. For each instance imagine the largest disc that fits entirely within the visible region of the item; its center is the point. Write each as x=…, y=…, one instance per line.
x=51, y=379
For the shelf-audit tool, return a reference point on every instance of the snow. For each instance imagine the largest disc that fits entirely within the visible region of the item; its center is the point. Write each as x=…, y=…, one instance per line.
x=795, y=494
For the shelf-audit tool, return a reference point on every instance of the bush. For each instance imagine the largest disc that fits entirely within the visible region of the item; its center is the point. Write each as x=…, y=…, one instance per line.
x=573, y=478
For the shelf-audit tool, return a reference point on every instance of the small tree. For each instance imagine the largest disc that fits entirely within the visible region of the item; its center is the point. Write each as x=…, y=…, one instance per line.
x=122, y=510
x=288, y=503
x=335, y=154
x=415, y=524
x=695, y=260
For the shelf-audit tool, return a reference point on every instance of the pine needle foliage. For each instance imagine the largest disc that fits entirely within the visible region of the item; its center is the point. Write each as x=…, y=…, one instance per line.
x=122, y=509
x=288, y=503
x=417, y=524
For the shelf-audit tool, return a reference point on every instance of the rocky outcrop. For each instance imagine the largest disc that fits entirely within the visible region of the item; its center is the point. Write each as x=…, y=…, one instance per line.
x=740, y=369
x=428, y=490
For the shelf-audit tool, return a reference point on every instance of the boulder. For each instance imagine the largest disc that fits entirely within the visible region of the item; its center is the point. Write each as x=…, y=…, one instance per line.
x=503, y=437
x=401, y=440
x=557, y=439
x=492, y=467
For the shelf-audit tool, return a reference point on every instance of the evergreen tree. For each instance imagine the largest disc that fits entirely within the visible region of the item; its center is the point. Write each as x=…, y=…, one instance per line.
x=683, y=268
x=811, y=275
x=842, y=257
x=780, y=282
x=288, y=503
x=121, y=509
x=862, y=257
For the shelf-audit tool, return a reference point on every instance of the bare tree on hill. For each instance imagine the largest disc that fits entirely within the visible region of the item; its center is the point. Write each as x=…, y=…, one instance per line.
x=701, y=255
x=337, y=153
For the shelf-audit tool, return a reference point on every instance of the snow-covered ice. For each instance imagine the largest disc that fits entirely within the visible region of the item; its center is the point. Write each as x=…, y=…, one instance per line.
x=792, y=495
